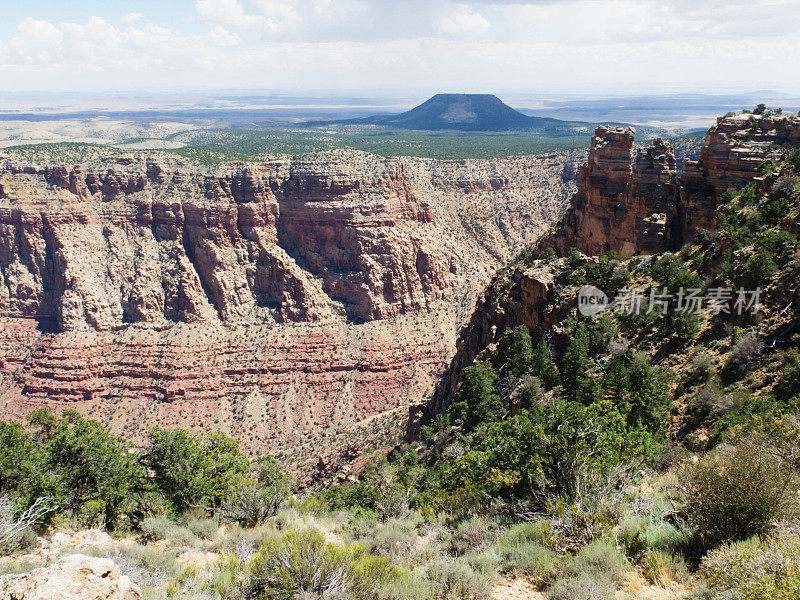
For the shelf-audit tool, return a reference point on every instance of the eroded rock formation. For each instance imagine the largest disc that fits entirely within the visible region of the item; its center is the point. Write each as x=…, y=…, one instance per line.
x=629, y=200
x=634, y=200
x=285, y=302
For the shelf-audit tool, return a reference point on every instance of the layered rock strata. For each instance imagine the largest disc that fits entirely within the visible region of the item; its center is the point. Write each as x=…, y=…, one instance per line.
x=631, y=200
x=634, y=200
x=286, y=302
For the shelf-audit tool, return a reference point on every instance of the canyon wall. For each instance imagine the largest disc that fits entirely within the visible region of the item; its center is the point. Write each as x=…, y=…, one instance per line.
x=634, y=201
x=297, y=304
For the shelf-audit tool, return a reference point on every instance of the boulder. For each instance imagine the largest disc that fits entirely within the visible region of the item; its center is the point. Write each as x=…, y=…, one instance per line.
x=74, y=577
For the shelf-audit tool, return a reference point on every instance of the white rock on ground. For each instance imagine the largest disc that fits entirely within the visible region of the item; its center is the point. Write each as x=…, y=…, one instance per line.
x=62, y=542
x=74, y=577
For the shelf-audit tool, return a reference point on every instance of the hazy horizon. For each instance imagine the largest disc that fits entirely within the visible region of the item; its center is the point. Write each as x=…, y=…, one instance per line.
x=396, y=48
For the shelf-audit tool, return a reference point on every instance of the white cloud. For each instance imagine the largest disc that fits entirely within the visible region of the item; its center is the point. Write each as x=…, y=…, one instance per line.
x=38, y=41
x=219, y=36
x=132, y=18
x=439, y=44
x=464, y=21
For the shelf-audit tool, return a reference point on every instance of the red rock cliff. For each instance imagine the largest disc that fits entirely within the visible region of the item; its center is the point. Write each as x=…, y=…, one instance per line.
x=287, y=302
x=635, y=202
x=630, y=200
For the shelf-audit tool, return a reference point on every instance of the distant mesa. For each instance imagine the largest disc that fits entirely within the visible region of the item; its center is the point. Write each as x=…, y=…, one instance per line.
x=463, y=112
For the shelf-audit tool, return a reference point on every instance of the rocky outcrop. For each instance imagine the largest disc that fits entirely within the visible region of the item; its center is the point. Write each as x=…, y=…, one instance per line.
x=634, y=200
x=74, y=577
x=631, y=200
x=520, y=297
x=285, y=302
x=731, y=155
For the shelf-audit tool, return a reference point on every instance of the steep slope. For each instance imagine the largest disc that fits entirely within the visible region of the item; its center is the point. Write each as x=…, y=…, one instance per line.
x=633, y=200
x=746, y=186
x=291, y=303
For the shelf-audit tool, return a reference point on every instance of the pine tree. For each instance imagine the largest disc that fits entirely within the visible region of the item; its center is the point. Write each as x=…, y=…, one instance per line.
x=579, y=385
x=520, y=352
x=478, y=393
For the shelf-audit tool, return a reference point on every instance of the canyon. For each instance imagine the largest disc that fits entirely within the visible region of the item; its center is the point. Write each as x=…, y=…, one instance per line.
x=629, y=199
x=300, y=304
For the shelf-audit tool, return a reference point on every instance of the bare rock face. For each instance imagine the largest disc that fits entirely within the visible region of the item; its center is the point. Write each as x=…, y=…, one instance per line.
x=74, y=577
x=635, y=202
x=730, y=157
x=285, y=302
x=526, y=301
x=631, y=200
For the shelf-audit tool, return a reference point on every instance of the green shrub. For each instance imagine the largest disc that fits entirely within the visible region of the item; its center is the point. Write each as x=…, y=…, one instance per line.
x=602, y=560
x=620, y=277
x=162, y=528
x=703, y=366
x=548, y=255
x=156, y=528
x=789, y=384
x=194, y=469
x=744, y=355
x=15, y=567
x=148, y=566
x=203, y=527
x=665, y=536
x=251, y=503
x=794, y=160
x=484, y=563
x=749, y=194
x=751, y=569
x=632, y=534
x=540, y=532
x=298, y=563
x=710, y=399
x=528, y=558
x=580, y=587
x=396, y=537
x=85, y=467
x=592, y=574
x=408, y=585
x=362, y=525
x=243, y=543
x=739, y=492
x=471, y=536
x=638, y=534
x=775, y=209
x=520, y=352
x=478, y=394
x=542, y=365
x=456, y=580
x=671, y=271
x=758, y=270
x=705, y=237
x=16, y=527
x=253, y=500
x=777, y=242
x=227, y=577
x=19, y=457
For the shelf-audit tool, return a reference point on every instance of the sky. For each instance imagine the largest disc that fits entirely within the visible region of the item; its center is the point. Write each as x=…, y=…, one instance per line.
x=406, y=46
